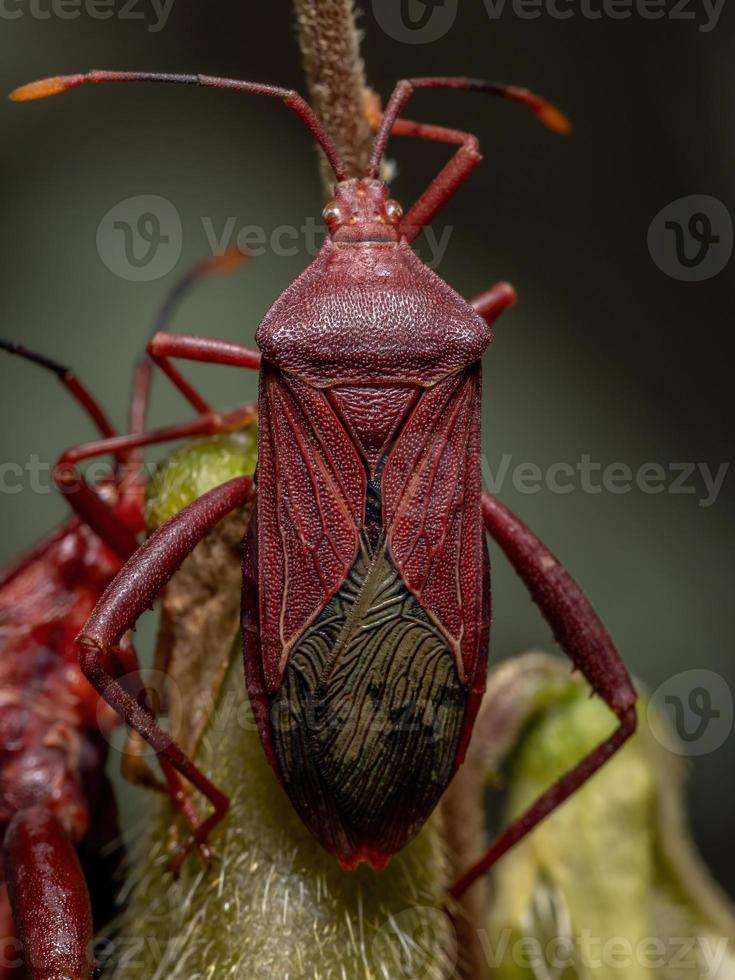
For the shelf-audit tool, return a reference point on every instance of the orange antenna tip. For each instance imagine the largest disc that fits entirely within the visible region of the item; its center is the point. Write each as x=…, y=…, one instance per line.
x=44, y=87
x=229, y=261
x=550, y=116
x=371, y=104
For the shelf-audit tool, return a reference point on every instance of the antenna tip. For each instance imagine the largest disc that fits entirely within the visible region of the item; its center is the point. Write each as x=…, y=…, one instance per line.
x=552, y=117
x=43, y=88
x=229, y=261
x=373, y=111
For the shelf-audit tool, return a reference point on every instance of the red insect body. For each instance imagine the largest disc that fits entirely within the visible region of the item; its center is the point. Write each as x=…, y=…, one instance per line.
x=53, y=748
x=47, y=704
x=331, y=422
x=359, y=401
x=54, y=793
x=365, y=580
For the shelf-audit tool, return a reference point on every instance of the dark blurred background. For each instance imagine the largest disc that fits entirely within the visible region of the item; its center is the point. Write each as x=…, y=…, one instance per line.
x=607, y=354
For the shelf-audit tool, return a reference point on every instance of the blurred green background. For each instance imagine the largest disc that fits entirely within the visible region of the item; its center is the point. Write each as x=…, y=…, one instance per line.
x=605, y=355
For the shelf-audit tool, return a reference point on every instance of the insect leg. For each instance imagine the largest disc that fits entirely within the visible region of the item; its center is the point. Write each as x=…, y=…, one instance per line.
x=87, y=502
x=135, y=768
x=132, y=592
x=69, y=380
x=492, y=303
x=229, y=261
x=582, y=636
x=44, y=872
x=166, y=345
x=180, y=799
x=446, y=183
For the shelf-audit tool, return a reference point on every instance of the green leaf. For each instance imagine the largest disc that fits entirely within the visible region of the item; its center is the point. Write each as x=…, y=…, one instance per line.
x=610, y=885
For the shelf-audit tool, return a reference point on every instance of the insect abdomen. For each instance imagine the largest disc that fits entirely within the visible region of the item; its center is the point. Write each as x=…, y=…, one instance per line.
x=368, y=718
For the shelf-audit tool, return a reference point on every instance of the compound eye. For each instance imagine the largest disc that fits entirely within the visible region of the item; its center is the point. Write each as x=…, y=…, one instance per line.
x=393, y=211
x=333, y=214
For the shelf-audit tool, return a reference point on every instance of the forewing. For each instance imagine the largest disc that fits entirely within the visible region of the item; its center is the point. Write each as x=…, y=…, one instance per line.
x=311, y=493
x=431, y=501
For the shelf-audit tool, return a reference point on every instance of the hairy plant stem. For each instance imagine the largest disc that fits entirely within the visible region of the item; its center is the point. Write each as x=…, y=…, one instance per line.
x=335, y=75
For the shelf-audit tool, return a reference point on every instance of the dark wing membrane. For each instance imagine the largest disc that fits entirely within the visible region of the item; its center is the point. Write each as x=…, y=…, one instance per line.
x=311, y=493
x=431, y=500
x=368, y=719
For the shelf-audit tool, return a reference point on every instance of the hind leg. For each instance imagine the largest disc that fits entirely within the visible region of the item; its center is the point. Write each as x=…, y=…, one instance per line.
x=49, y=897
x=582, y=636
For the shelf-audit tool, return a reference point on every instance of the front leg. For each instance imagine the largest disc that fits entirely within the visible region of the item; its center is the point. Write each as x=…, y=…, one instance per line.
x=580, y=633
x=164, y=346
x=97, y=513
x=494, y=301
x=132, y=592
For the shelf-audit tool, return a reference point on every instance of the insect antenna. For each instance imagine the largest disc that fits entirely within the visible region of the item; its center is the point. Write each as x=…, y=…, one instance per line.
x=295, y=102
x=548, y=114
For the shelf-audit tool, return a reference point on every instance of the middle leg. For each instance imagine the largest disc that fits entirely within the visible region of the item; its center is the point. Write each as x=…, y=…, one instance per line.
x=494, y=301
